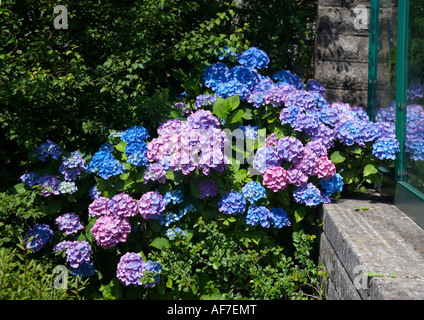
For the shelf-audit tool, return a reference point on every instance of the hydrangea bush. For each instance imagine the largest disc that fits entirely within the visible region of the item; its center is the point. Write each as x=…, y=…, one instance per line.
x=243, y=164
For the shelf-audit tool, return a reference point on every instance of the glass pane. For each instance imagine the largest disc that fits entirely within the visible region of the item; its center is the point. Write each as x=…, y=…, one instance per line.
x=414, y=145
x=386, y=70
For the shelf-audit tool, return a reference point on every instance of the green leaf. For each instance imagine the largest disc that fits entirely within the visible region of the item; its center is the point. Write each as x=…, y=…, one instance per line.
x=19, y=188
x=121, y=146
x=370, y=169
x=299, y=214
x=160, y=243
x=219, y=108
x=337, y=157
x=237, y=116
x=232, y=103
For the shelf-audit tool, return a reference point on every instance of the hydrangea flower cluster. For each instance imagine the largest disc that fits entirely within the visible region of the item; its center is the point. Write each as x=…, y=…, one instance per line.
x=69, y=222
x=67, y=187
x=332, y=184
x=105, y=165
x=136, y=145
x=78, y=256
x=308, y=194
x=253, y=191
x=232, y=203
x=151, y=205
x=46, y=149
x=37, y=237
x=133, y=270
x=30, y=178
x=174, y=196
x=76, y=252
x=112, y=225
x=253, y=58
x=50, y=185
x=169, y=217
x=207, y=188
x=197, y=143
x=108, y=231
x=72, y=166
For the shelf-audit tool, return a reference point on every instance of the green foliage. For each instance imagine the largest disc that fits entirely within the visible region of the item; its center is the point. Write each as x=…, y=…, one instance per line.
x=25, y=278
x=358, y=166
x=18, y=211
x=226, y=259
x=110, y=69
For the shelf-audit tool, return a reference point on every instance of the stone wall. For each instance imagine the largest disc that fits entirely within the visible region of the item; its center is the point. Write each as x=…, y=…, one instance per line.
x=374, y=254
x=341, y=51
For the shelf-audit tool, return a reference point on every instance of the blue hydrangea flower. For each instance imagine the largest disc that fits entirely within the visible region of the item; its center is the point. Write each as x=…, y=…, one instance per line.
x=84, y=270
x=250, y=132
x=30, y=178
x=174, y=196
x=258, y=215
x=279, y=218
x=173, y=233
x=48, y=148
x=253, y=191
x=215, y=74
x=105, y=165
x=152, y=272
x=136, y=153
x=135, y=134
x=386, y=148
x=37, y=237
x=253, y=58
x=94, y=193
x=333, y=184
x=286, y=77
x=232, y=203
x=308, y=194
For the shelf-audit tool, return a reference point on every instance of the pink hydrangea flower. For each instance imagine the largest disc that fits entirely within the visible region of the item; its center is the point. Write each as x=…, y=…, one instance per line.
x=122, y=205
x=108, y=231
x=275, y=178
x=98, y=207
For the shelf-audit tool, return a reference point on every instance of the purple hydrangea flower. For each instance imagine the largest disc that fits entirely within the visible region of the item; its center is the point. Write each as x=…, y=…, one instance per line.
x=98, y=207
x=290, y=149
x=122, y=205
x=37, y=237
x=207, y=188
x=77, y=252
x=50, y=185
x=48, y=148
x=72, y=166
x=132, y=270
x=151, y=205
x=69, y=222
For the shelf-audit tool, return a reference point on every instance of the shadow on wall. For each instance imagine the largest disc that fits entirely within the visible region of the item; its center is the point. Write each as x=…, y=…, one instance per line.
x=341, y=51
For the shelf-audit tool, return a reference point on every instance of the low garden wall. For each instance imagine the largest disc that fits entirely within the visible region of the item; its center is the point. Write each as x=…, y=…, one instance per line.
x=371, y=250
